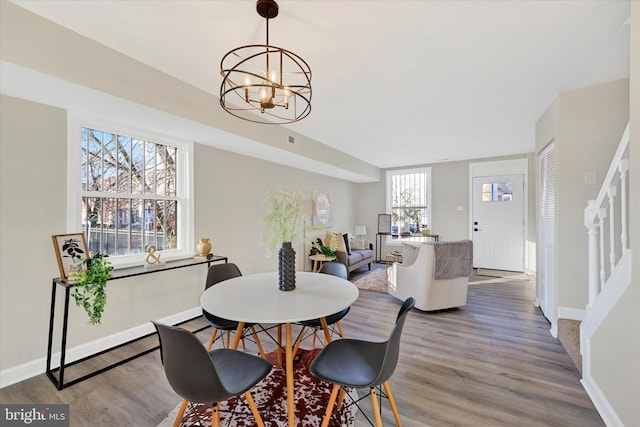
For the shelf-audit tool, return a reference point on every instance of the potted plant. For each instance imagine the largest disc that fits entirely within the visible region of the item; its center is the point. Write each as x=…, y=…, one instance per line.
x=285, y=222
x=89, y=285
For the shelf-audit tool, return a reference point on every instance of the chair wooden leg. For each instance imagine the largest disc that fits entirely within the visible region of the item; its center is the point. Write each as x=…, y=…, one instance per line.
x=325, y=328
x=332, y=401
x=376, y=406
x=254, y=409
x=392, y=403
x=340, y=329
x=341, y=398
x=279, y=344
x=258, y=343
x=296, y=345
x=215, y=415
x=227, y=340
x=213, y=338
x=178, y=420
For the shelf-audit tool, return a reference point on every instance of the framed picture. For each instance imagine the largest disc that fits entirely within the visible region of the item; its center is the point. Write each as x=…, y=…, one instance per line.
x=322, y=215
x=384, y=223
x=70, y=249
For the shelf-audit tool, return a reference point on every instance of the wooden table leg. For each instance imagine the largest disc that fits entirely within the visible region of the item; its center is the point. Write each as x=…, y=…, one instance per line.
x=289, y=374
x=236, y=339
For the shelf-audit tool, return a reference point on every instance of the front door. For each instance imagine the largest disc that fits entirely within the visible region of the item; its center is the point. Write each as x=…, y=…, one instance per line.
x=498, y=222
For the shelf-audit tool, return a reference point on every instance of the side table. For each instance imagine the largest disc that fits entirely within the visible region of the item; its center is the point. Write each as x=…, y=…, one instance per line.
x=117, y=274
x=318, y=260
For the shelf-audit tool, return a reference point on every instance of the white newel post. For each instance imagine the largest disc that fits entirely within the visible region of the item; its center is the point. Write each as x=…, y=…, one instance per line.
x=592, y=227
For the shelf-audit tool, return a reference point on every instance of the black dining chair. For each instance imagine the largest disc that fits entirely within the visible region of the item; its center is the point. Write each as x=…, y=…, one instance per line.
x=362, y=364
x=335, y=269
x=216, y=274
x=202, y=376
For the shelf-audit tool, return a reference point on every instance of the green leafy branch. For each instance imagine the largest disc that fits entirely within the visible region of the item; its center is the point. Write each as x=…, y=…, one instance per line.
x=89, y=286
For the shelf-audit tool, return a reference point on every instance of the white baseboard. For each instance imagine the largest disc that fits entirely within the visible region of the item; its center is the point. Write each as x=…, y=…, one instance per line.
x=36, y=367
x=604, y=408
x=554, y=329
x=571, y=313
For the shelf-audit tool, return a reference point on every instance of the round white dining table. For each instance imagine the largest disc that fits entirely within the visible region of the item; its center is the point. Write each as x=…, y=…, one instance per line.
x=255, y=298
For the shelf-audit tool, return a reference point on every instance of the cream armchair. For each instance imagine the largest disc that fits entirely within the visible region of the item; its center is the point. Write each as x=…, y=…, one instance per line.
x=434, y=284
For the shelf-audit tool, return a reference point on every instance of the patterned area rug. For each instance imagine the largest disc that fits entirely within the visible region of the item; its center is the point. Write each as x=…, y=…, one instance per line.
x=375, y=281
x=270, y=395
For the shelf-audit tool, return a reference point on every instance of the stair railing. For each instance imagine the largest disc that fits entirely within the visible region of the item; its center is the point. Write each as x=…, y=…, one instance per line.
x=603, y=217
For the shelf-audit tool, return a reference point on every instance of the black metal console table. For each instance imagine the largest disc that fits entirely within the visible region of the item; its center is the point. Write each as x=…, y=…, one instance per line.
x=117, y=274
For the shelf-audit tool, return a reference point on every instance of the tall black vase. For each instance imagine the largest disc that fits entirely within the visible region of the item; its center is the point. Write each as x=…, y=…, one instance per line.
x=287, y=267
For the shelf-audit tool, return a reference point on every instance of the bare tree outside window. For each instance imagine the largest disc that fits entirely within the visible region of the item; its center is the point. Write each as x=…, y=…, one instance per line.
x=409, y=201
x=129, y=198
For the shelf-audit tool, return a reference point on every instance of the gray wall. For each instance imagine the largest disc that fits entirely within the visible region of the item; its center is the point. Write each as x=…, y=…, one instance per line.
x=450, y=189
x=586, y=126
x=616, y=345
x=229, y=189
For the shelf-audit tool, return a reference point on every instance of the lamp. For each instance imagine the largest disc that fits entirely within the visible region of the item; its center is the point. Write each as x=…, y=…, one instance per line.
x=267, y=79
x=361, y=230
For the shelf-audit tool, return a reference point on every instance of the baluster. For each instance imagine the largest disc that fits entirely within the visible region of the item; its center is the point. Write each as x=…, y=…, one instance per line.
x=612, y=227
x=593, y=262
x=624, y=236
x=602, y=214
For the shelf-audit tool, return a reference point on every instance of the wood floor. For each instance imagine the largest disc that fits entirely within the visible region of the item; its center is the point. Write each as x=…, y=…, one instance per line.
x=491, y=363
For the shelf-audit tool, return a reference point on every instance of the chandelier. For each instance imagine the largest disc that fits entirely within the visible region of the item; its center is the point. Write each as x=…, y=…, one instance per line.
x=263, y=83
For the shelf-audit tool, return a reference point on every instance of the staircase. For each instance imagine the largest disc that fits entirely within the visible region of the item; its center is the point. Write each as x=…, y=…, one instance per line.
x=607, y=223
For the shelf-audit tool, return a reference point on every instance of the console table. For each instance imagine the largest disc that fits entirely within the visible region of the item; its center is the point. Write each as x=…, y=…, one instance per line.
x=116, y=274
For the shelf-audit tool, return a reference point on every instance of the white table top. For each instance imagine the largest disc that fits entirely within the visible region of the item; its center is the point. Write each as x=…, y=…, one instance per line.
x=255, y=298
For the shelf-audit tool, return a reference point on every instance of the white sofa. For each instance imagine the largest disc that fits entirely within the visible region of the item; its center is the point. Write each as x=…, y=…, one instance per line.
x=417, y=276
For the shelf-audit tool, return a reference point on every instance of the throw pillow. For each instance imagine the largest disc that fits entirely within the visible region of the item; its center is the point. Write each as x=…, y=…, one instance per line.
x=347, y=246
x=334, y=241
x=409, y=253
x=357, y=244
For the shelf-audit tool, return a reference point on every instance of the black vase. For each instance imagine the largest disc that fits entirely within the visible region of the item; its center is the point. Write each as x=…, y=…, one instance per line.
x=287, y=267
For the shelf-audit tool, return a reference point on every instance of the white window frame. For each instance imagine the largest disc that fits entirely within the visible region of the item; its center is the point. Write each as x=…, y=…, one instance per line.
x=389, y=196
x=184, y=188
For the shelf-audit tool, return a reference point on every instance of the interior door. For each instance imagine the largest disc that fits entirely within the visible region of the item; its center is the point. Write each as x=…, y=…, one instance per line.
x=498, y=222
x=546, y=288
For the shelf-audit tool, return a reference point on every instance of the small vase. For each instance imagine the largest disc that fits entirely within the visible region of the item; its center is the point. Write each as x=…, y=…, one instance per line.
x=286, y=267
x=203, y=247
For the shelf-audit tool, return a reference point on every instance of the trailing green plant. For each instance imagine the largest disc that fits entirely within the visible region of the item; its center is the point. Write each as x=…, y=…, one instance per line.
x=323, y=249
x=284, y=219
x=89, y=285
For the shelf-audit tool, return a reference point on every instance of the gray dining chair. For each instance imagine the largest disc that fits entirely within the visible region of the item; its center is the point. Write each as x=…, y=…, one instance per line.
x=362, y=364
x=216, y=274
x=202, y=376
x=335, y=269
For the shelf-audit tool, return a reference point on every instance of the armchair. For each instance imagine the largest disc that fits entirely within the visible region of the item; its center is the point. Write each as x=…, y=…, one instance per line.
x=435, y=274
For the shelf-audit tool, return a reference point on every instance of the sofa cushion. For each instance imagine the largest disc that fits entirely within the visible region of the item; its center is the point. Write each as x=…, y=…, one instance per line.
x=355, y=257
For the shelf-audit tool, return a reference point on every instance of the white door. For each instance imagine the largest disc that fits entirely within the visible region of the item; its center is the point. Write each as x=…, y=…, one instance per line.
x=546, y=232
x=498, y=222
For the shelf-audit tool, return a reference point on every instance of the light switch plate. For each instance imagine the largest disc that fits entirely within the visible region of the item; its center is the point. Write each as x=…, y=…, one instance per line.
x=590, y=178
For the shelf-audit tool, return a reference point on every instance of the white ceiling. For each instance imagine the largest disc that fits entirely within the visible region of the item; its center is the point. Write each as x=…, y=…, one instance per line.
x=395, y=83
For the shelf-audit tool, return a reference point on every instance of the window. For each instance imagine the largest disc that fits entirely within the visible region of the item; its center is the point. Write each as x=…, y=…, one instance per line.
x=497, y=191
x=409, y=200
x=132, y=193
